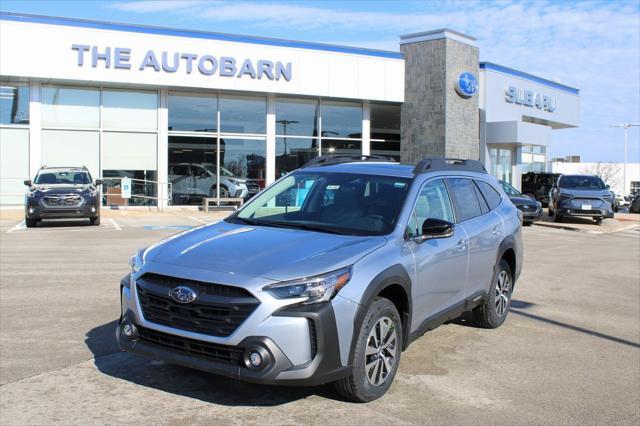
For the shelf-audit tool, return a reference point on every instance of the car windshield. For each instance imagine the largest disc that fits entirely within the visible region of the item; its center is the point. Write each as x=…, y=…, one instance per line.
x=581, y=182
x=66, y=177
x=340, y=203
x=508, y=189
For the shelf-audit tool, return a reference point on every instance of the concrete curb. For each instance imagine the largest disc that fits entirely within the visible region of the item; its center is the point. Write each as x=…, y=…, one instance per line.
x=586, y=231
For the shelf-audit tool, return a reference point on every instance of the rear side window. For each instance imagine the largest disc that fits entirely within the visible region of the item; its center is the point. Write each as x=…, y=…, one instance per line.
x=466, y=198
x=490, y=194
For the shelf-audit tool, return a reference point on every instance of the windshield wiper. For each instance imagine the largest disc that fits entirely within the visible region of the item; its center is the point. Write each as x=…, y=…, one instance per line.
x=294, y=225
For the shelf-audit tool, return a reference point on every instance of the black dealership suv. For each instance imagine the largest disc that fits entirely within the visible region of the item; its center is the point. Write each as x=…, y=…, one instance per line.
x=538, y=185
x=62, y=192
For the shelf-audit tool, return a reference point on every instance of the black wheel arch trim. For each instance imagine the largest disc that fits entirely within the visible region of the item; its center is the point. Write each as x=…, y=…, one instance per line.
x=508, y=243
x=394, y=275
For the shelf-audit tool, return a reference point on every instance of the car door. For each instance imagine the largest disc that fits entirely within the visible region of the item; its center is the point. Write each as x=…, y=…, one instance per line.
x=484, y=232
x=202, y=180
x=440, y=264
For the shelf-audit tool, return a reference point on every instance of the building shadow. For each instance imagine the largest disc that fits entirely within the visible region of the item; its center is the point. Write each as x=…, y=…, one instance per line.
x=187, y=382
x=63, y=223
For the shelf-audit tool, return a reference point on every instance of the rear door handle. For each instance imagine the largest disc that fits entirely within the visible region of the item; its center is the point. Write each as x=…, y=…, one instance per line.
x=497, y=231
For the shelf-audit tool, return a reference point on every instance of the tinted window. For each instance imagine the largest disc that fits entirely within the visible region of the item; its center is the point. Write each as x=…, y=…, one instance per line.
x=464, y=194
x=243, y=114
x=432, y=203
x=490, y=194
x=510, y=190
x=72, y=177
x=581, y=182
x=14, y=104
x=193, y=113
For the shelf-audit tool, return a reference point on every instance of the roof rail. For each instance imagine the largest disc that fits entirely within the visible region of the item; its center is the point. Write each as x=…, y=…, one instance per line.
x=340, y=159
x=457, y=164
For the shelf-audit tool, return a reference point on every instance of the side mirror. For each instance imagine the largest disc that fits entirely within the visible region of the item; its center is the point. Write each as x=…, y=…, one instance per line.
x=28, y=182
x=435, y=229
x=98, y=182
x=608, y=186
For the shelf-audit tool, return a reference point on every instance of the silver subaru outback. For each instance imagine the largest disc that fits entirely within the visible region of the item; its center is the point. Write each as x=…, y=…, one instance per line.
x=328, y=274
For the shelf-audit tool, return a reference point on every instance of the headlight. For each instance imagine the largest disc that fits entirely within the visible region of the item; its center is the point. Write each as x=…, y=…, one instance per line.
x=320, y=288
x=566, y=196
x=236, y=181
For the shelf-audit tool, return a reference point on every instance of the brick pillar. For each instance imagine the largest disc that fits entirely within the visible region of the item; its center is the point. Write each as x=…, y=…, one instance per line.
x=436, y=120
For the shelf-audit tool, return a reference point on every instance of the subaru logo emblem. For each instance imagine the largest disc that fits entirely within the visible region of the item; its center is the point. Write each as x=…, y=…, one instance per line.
x=182, y=294
x=467, y=85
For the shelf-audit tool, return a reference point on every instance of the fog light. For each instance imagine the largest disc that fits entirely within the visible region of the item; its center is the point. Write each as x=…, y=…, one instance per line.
x=255, y=359
x=32, y=210
x=93, y=209
x=127, y=330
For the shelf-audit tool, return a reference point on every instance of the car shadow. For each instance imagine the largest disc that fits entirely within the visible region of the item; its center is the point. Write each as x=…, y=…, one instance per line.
x=63, y=223
x=187, y=382
x=467, y=320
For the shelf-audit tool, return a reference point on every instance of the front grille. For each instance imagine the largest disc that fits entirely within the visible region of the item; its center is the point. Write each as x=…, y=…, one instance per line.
x=217, y=311
x=62, y=200
x=212, y=351
x=253, y=187
x=526, y=207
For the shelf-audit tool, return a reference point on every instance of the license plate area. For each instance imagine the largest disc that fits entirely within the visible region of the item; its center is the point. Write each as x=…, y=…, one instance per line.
x=586, y=207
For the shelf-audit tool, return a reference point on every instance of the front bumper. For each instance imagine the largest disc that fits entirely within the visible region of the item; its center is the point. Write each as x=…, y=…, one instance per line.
x=38, y=210
x=576, y=208
x=232, y=360
x=530, y=215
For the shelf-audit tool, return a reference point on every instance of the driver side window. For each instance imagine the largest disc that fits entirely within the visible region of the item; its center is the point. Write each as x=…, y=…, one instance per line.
x=433, y=203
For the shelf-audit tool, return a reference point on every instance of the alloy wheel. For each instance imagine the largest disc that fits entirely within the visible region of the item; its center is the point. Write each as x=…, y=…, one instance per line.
x=380, y=355
x=503, y=292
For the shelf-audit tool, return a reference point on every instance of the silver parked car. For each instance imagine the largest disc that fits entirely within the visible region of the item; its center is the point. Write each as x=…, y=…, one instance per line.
x=580, y=196
x=328, y=274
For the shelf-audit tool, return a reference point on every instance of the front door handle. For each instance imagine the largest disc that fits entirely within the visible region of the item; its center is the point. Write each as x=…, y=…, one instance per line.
x=462, y=245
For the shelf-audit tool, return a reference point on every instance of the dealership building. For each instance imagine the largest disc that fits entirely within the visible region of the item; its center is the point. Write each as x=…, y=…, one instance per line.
x=187, y=114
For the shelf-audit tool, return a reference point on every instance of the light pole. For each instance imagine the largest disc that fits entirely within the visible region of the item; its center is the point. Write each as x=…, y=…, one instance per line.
x=625, y=126
x=285, y=123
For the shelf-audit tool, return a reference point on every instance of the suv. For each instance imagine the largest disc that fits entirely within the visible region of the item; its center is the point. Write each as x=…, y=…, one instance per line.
x=328, y=274
x=62, y=192
x=538, y=185
x=581, y=195
x=196, y=180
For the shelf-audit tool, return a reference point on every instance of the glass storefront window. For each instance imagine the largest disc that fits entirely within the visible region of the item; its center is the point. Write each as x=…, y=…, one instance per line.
x=291, y=153
x=14, y=104
x=341, y=146
x=192, y=113
x=143, y=187
x=385, y=130
x=342, y=120
x=297, y=117
x=243, y=114
x=129, y=110
x=192, y=168
x=501, y=164
x=70, y=107
x=244, y=158
x=72, y=148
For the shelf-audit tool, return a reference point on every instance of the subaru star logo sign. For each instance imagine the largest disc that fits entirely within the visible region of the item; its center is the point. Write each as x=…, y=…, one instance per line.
x=467, y=85
x=182, y=294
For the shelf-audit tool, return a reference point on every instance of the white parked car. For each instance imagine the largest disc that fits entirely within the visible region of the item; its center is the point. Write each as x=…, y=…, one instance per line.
x=197, y=180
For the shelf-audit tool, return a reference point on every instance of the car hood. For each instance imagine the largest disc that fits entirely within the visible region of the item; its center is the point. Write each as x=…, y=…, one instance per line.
x=256, y=251
x=585, y=193
x=522, y=199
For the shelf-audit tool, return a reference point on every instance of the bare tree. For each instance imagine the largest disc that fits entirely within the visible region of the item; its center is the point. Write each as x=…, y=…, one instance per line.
x=608, y=172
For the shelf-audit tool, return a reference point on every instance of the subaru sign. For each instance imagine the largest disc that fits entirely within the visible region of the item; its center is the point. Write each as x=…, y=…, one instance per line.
x=529, y=98
x=467, y=85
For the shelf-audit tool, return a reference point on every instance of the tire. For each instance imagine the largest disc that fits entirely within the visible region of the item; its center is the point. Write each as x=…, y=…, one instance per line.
x=495, y=309
x=224, y=192
x=557, y=217
x=598, y=220
x=94, y=221
x=31, y=223
x=551, y=213
x=527, y=223
x=359, y=386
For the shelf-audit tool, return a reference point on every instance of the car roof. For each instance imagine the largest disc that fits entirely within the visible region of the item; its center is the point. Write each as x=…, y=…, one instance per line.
x=62, y=168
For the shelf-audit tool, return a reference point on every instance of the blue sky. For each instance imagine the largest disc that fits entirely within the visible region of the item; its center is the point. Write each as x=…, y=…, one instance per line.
x=592, y=45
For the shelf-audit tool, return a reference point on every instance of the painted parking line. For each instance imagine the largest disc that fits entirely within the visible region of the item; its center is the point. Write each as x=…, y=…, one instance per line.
x=197, y=220
x=115, y=224
x=22, y=225
x=167, y=227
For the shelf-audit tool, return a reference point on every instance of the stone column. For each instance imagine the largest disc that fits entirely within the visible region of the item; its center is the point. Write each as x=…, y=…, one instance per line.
x=436, y=120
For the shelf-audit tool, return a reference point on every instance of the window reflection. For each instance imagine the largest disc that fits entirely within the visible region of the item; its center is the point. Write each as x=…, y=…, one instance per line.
x=385, y=130
x=122, y=109
x=70, y=107
x=193, y=113
x=341, y=119
x=14, y=104
x=297, y=117
x=241, y=114
x=341, y=146
x=245, y=158
x=291, y=153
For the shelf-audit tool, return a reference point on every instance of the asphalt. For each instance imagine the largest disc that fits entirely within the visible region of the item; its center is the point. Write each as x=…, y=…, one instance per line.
x=569, y=352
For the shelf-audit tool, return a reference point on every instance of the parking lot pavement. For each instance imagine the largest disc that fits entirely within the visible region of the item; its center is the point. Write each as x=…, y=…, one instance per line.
x=620, y=222
x=568, y=353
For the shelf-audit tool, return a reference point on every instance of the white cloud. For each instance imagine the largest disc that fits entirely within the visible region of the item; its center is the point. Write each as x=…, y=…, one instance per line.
x=594, y=46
